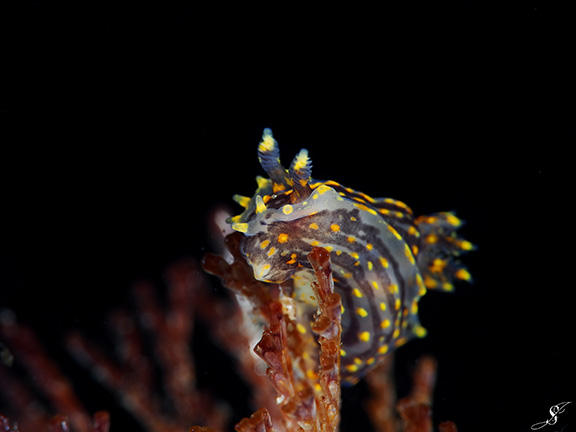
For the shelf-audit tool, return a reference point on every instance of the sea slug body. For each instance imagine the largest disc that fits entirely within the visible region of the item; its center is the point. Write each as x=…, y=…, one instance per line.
x=383, y=258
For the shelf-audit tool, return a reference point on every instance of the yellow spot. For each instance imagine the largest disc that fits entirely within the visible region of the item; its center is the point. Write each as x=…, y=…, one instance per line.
x=301, y=329
x=352, y=218
x=260, y=206
x=397, y=304
x=429, y=282
x=277, y=187
x=347, y=275
x=421, y=285
x=447, y=286
x=338, y=252
x=342, y=352
x=393, y=231
x=463, y=274
x=265, y=244
x=351, y=239
x=293, y=259
x=272, y=251
x=357, y=293
x=352, y=368
x=384, y=262
x=370, y=265
x=362, y=312
x=240, y=227
x=375, y=285
x=358, y=361
x=393, y=288
x=383, y=349
x=408, y=254
x=329, y=248
x=414, y=250
x=396, y=333
x=282, y=238
x=315, y=243
x=400, y=341
x=431, y=238
x=342, y=309
x=420, y=331
x=335, y=227
x=370, y=361
x=414, y=308
x=369, y=246
x=431, y=220
x=466, y=245
x=364, y=336
x=384, y=211
x=264, y=268
x=355, y=255
x=385, y=324
x=438, y=265
x=287, y=209
x=453, y=220
x=412, y=230
x=382, y=306
x=322, y=189
x=313, y=225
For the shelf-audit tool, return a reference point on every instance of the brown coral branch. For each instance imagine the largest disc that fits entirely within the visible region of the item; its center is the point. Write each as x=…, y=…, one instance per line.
x=170, y=331
x=46, y=376
x=21, y=401
x=328, y=326
x=415, y=410
x=61, y=423
x=447, y=426
x=380, y=406
x=230, y=326
x=305, y=372
x=260, y=421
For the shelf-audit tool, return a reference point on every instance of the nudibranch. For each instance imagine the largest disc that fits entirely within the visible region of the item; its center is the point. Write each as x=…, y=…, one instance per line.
x=383, y=258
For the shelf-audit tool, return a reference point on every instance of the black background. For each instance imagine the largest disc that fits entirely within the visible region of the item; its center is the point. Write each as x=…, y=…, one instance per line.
x=124, y=125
